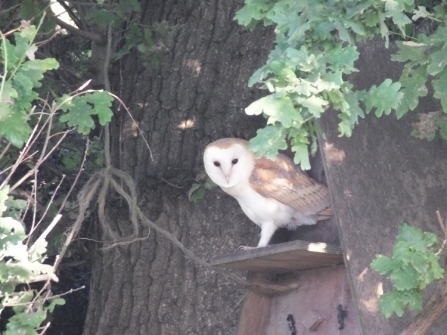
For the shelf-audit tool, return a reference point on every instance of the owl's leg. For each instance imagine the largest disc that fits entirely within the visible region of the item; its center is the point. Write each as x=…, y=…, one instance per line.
x=267, y=231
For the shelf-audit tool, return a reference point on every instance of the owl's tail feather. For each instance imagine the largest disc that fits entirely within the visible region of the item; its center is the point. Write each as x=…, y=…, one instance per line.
x=325, y=214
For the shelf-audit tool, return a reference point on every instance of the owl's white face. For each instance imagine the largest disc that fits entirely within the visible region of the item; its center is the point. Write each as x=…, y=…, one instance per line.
x=228, y=162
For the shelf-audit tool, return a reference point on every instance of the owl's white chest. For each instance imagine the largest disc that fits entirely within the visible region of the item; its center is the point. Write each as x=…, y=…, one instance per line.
x=262, y=210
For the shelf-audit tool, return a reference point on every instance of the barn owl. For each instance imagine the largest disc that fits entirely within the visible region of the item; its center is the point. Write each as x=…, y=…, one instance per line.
x=272, y=193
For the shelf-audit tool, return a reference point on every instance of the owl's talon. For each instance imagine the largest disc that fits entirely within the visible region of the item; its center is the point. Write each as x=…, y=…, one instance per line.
x=246, y=247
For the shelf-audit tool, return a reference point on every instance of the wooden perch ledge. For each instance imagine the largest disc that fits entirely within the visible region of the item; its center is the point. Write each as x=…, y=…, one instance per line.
x=284, y=257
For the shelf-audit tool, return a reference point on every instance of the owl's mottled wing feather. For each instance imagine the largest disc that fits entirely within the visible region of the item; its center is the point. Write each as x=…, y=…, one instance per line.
x=282, y=180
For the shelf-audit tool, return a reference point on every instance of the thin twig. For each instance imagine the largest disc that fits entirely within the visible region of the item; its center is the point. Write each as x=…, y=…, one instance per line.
x=51, y=276
x=69, y=10
x=5, y=150
x=105, y=73
x=176, y=186
x=49, y=203
x=81, y=168
x=444, y=229
x=45, y=328
x=85, y=196
x=49, y=228
x=68, y=292
x=22, y=161
x=443, y=226
x=135, y=123
x=26, y=209
x=33, y=224
x=40, y=161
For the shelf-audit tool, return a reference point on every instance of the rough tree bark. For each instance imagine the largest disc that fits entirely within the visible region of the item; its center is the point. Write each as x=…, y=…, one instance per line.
x=196, y=96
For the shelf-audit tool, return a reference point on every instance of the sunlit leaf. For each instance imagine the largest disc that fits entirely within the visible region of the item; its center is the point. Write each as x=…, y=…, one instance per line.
x=383, y=264
x=272, y=135
x=79, y=110
x=383, y=98
x=391, y=303
x=420, y=13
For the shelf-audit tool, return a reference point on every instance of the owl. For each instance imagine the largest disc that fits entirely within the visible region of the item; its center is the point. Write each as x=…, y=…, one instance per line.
x=272, y=193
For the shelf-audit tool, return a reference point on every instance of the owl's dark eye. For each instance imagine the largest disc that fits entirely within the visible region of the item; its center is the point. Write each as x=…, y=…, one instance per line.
x=216, y=163
x=234, y=161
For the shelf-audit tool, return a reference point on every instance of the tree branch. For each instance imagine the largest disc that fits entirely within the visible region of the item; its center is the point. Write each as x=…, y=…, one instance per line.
x=81, y=33
x=70, y=13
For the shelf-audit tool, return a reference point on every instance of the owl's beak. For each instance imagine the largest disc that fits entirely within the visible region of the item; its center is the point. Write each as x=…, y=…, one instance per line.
x=226, y=175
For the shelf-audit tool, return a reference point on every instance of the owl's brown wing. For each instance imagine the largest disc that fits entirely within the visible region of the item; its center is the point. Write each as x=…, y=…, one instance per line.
x=282, y=180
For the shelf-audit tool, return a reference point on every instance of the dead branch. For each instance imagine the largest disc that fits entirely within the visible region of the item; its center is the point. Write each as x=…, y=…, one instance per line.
x=88, y=35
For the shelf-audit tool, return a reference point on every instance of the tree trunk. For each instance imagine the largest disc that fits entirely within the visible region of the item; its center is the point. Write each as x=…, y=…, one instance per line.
x=197, y=95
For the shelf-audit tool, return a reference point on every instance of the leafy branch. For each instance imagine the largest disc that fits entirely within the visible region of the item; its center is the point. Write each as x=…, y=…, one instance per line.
x=315, y=49
x=22, y=264
x=37, y=127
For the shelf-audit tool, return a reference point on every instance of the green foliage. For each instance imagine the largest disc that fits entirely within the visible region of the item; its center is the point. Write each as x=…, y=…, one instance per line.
x=197, y=190
x=114, y=13
x=43, y=124
x=274, y=135
x=70, y=154
x=150, y=41
x=79, y=109
x=22, y=75
x=384, y=98
x=14, y=207
x=315, y=50
x=413, y=266
x=21, y=264
x=425, y=63
x=14, y=11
